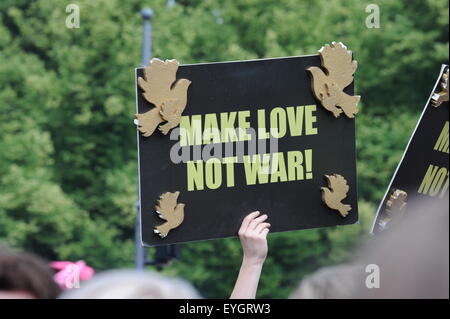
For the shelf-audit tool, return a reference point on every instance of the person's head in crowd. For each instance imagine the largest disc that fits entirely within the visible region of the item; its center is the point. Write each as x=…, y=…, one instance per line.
x=132, y=284
x=25, y=276
x=411, y=258
x=332, y=282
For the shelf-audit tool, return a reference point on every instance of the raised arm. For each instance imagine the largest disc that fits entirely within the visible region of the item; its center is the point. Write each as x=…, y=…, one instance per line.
x=253, y=236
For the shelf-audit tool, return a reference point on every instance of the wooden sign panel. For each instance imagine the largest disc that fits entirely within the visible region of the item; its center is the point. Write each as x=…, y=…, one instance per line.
x=422, y=174
x=252, y=136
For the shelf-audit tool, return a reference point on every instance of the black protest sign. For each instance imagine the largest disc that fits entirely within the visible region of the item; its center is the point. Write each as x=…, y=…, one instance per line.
x=422, y=174
x=252, y=136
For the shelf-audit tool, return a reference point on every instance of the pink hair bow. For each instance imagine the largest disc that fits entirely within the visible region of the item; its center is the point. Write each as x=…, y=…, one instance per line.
x=70, y=274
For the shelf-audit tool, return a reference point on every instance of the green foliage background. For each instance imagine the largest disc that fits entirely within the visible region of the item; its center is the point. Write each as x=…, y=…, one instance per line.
x=67, y=142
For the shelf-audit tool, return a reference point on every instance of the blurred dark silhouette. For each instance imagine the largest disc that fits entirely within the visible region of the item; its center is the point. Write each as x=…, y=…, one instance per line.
x=23, y=275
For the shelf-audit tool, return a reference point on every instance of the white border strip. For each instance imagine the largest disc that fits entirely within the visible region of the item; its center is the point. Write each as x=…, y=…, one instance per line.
x=252, y=60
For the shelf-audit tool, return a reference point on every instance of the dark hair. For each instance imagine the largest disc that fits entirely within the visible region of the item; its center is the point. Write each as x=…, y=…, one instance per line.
x=26, y=272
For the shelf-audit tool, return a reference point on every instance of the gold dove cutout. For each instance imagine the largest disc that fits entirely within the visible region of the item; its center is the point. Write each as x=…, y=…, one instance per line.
x=335, y=75
x=335, y=193
x=169, y=210
x=396, y=203
x=394, y=208
x=167, y=94
x=440, y=97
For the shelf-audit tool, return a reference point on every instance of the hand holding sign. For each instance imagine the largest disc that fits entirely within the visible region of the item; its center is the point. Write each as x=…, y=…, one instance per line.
x=253, y=236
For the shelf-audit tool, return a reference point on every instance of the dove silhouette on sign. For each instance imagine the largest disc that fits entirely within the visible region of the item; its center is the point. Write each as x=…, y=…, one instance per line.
x=336, y=192
x=328, y=85
x=168, y=96
x=172, y=212
x=442, y=96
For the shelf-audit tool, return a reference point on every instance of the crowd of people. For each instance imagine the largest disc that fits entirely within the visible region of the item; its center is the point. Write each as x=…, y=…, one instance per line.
x=412, y=259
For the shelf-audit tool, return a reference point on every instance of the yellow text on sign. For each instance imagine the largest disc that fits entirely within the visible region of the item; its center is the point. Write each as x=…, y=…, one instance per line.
x=232, y=126
x=258, y=169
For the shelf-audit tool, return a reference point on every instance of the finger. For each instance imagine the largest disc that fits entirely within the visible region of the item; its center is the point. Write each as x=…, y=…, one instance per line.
x=261, y=227
x=264, y=232
x=256, y=222
x=247, y=221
